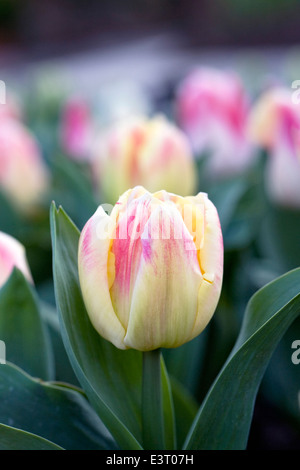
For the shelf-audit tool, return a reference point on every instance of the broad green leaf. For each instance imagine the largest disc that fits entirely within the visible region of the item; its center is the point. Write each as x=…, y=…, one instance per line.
x=111, y=378
x=224, y=419
x=58, y=413
x=22, y=328
x=64, y=372
x=17, y=439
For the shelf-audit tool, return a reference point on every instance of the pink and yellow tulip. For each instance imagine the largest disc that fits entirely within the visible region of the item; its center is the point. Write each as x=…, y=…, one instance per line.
x=153, y=153
x=274, y=125
x=151, y=271
x=212, y=108
x=23, y=173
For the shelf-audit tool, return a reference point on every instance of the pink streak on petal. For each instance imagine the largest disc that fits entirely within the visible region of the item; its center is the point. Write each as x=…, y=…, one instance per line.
x=147, y=250
x=127, y=246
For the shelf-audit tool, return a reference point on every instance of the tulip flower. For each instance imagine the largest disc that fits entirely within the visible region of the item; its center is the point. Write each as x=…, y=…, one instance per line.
x=212, y=108
x=153, y=153
x=151, y=271
x=23, y=174
x=274, y=124
x=12, y=254
x=76, y=129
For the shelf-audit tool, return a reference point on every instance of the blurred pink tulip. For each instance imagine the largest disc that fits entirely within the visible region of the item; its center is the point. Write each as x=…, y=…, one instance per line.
x=274, y=125
x=76, y=129
x=212, y=108
x=152, y=152
x=12, y=254
x=23, y=174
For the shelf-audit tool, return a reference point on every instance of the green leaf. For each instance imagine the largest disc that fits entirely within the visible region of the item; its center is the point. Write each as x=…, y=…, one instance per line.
x=111, y=378
x=64, y=372
x=58, y=413
x=17, y=439
x=224, y=419
x=22, y=328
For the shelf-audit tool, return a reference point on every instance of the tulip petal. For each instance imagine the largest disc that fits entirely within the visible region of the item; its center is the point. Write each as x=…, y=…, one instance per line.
x=95, y=274
x=127, y=249
x=164, y=304
x=12, y=254
x=23, y=174
x=211, y=261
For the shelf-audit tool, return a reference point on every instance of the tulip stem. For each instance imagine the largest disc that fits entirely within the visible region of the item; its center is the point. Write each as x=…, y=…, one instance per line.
x=152, y=406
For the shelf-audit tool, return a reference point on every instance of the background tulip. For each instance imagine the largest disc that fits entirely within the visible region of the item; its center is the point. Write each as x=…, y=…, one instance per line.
x=212, y=108
x=76, y=129
x=23, y=174
x=153, y=153
x=12, y=254
x=151, y=272
x=274, y=125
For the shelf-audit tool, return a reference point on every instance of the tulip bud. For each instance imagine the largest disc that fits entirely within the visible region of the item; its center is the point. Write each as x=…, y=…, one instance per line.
x=274, y=125
x=151, y=271
x=12, y=254
x=23, y=174
x=153, y=153
x=212, y=108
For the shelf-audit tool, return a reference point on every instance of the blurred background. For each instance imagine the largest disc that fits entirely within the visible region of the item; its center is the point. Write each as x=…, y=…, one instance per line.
x=105, y=49
x=153, y=41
